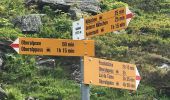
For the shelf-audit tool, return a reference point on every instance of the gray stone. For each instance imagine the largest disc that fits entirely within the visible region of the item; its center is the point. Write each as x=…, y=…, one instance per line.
x=3, y=94
x=75, y=13
x=30, y=2
x=91, y=6
x=4, y=48
x=53, y=1
x=29, y=23
x=45, y=62
x=1, y=62
x=76, y=76
x=81, y=1
x=54, y=4
x=31, y=98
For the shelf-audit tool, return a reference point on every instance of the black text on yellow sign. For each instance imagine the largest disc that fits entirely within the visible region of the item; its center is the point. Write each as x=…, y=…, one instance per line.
x=110, y=73
x=110, y=21
x=56, y=47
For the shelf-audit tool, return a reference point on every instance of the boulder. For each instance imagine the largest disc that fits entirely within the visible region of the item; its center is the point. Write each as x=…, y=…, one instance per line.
x=52, y=1
x=30, y=2
x=76, y=74
x=28, y=23
x=90, y=6
x=54, y=4
x=3, y=94
x=1, y=61
x=75, y=13
x=4, y=48
x=45, y=62
x=31, y=98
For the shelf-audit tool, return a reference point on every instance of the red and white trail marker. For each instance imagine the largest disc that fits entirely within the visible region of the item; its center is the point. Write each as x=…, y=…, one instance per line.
x=129, y=16
x=138, y=78
x=15, y=45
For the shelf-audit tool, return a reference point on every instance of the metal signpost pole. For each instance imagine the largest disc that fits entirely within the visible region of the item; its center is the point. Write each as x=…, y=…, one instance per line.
x=85, y=90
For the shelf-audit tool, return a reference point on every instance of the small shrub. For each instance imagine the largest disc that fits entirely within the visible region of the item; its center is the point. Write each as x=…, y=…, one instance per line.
x=14, y=94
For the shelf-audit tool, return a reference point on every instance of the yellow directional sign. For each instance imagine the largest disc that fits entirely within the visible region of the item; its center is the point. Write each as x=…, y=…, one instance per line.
x=54, y=47
x=100, y=24
x=110, y=73
x=106, y=22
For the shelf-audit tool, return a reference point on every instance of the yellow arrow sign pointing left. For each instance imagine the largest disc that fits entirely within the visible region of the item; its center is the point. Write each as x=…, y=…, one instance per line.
x=54, y=47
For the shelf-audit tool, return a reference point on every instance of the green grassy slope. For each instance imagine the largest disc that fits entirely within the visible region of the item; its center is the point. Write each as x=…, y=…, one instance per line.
x=145, y=43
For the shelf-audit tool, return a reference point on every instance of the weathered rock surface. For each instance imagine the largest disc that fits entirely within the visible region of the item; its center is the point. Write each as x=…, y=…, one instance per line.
x=3, y=94
x=45, y=62
x=4, y=48
x=1, y=61
x=54, y=4
x=91, y=6
x=29, y=23
x=31, y=98
x=76, y=74
x=29, y=2
x=75, y=13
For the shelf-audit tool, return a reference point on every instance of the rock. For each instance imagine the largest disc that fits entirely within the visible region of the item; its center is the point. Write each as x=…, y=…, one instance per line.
x=53, y=1
x=54, y=4
x=45, y=62
x=90, y=6
x=76, y=74
x=1, y=62
x=30, y=2
x=4, y=48
x=29, y=23
x=31, y=98
x=75, y=13
x=3, y=94
x=164, y=67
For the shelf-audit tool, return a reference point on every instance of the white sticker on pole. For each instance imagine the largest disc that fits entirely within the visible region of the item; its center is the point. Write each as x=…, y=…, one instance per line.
x=78, y=30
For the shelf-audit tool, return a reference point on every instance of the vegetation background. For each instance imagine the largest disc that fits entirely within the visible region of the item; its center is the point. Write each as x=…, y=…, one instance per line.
x=146, y=43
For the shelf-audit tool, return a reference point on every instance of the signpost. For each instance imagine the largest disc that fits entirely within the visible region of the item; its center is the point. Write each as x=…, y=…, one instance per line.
x=85, y=90
x=100, y=24
x=93, y=70
x=110, y=73
x=122, y=75
x=54, y=47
